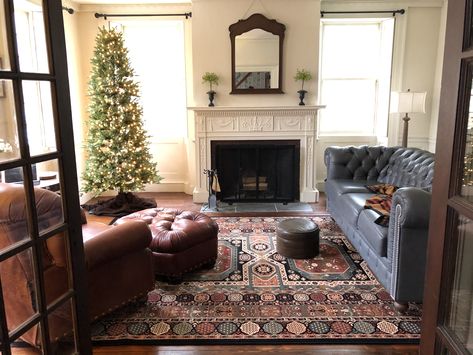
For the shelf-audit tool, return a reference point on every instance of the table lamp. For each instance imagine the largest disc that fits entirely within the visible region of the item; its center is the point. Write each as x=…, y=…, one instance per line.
x=407, y=102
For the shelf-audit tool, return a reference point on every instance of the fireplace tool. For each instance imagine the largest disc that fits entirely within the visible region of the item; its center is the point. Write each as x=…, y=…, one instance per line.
x=213, y=187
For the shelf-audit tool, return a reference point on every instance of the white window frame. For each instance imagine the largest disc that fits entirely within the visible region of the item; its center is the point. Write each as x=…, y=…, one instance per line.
x=380, y=121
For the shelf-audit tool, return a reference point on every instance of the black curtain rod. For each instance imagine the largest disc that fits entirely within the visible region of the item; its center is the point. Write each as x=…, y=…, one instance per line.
x=68, y=9
x=394, y=12
x=97, y=15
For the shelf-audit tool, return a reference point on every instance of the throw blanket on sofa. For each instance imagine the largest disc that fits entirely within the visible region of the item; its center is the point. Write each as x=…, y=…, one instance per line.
x=381, y=203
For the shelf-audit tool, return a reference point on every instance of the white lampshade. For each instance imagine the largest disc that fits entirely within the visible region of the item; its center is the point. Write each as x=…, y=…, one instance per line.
x=408, y=102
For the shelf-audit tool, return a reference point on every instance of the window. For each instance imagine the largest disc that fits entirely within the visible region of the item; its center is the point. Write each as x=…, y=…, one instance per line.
x=355, y=76
x=33, y=58
x=159, y=66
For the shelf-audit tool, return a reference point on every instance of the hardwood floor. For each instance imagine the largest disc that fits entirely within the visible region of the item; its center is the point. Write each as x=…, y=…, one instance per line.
x=241, y=349
x=258, y=349
x=183, y=201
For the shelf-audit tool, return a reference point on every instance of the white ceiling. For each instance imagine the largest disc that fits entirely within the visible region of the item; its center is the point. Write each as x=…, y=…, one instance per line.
x=131, y=2
x=143, y=2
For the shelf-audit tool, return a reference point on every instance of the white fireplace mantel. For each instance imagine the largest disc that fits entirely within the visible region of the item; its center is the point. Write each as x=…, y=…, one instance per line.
x=257, y=123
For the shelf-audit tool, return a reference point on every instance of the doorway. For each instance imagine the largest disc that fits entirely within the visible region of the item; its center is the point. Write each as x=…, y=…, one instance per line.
x=448, y=298
x=36, y=142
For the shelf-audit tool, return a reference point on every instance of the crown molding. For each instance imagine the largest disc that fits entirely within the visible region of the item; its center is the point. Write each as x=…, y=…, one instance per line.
x=326, y=4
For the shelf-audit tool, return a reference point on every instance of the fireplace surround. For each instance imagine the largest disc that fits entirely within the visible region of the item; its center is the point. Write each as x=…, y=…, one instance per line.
x=257, y=124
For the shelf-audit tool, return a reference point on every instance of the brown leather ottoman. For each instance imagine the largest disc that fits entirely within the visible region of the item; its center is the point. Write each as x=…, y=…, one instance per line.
x=297, y=238
x=182, y=240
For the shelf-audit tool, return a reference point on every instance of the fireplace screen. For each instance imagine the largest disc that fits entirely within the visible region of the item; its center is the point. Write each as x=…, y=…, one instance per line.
x=257, y=170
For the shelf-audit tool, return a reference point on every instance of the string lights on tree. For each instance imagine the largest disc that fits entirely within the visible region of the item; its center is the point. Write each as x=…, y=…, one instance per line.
x=468, y=162
x=118, y=157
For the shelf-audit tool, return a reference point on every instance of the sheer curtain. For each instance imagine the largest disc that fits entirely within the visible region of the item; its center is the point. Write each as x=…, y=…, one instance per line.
x=156, y=50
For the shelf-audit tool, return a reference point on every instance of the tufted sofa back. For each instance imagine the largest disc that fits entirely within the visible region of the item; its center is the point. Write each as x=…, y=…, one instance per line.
x=409, y=167
x=394, y=165
x=357, y=163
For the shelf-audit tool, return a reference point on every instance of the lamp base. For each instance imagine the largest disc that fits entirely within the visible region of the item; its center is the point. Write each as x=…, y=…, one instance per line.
x=405, y=130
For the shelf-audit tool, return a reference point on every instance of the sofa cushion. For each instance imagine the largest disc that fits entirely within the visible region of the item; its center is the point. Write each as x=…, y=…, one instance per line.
x=339, y=187
x=375, y=235
x=350, y=206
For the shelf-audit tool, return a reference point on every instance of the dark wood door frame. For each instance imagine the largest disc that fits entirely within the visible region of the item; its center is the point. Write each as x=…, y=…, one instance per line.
x=64, y=132
x=445, y=178
x=65, y=155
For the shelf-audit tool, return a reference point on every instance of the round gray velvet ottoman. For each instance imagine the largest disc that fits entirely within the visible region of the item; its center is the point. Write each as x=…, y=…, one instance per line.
x=297, y=238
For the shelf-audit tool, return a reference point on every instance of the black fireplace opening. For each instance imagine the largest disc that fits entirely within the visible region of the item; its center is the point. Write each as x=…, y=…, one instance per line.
x=263, y=170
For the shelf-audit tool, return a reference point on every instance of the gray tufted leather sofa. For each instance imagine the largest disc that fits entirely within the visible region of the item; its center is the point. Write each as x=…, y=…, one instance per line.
x=396, y=254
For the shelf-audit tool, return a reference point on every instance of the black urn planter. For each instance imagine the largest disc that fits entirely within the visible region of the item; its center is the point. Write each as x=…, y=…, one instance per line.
x=211, y=94
x=301, y=97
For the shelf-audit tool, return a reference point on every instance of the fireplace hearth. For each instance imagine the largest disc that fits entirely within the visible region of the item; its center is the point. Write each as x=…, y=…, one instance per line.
x=257, y=170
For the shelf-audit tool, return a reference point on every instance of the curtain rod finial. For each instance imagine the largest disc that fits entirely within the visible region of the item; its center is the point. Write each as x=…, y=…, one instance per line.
x=70, y=10
x=402, y=12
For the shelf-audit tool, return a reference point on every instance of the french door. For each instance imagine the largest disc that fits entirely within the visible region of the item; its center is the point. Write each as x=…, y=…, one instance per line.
x=448, y=299
x=37, y=151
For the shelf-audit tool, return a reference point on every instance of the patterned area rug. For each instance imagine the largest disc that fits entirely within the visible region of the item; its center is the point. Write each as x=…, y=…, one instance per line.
x=255, y=295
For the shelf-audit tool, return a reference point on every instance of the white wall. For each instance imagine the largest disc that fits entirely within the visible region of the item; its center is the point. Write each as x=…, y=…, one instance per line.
x=438, y=80
x=76, y=85
x=420, y=66
x=211, y=47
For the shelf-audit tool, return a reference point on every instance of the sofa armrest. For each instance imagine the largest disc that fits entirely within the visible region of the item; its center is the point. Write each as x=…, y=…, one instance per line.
x=116, y=242
x=414, y=204
x=407, y=243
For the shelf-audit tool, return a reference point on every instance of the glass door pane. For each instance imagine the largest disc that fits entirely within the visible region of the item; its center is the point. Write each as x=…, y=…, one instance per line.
x=4, y=53
x=31, y=36
x=61, y=328
x=9, y=147
x=39, y=116
x=460, y=319
x=467, y=179
x=458, y=291
x=20, y=301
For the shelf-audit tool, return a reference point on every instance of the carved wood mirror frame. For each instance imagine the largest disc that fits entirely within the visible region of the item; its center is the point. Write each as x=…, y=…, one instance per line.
x=257, y=21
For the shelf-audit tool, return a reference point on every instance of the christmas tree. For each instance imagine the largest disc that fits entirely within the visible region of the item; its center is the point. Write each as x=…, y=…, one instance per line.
x=117, y=143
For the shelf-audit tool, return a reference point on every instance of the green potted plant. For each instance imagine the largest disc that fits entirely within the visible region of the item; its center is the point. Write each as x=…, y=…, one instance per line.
x=302, y=75
x=212, y=79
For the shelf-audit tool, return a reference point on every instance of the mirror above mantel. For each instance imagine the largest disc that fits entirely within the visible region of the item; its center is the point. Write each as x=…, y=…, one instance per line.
x=257, y=44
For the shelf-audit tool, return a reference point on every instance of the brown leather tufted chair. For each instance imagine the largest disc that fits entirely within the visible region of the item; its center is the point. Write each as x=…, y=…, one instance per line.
x=119, y=264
